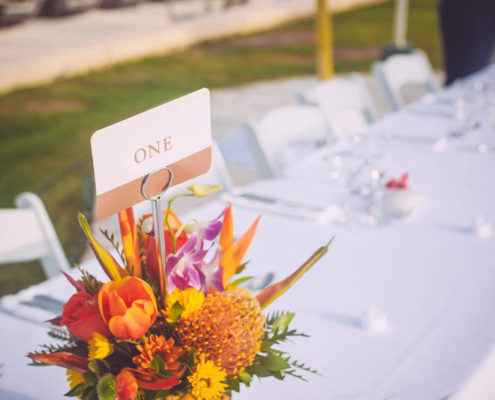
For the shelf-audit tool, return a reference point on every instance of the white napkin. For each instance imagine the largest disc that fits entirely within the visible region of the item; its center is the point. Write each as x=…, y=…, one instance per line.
x=327, y=214
x=401, y=202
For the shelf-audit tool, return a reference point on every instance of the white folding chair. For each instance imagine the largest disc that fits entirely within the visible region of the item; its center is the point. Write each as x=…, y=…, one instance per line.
x=399, y=70
x=345, y=103
x=283, y=134
x=27, y=234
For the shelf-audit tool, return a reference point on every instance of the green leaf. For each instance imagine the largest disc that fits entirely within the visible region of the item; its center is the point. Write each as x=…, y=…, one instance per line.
x=204, y=190
x=93, y=366
x=161, y=394
x=282, y=322
x=234, y=385
x=76, y=390
x=259, y=370
x=90, y=394
x=159, y=366
x=90, y=378
x=106, y=388
x=272, y=362
x=245, y=377
x=176, y=311
x=237, y=282
x=191, y=356
x=279, y=375
x=241, y=267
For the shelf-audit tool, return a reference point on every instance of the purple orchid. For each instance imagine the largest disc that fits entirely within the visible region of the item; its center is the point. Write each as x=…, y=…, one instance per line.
x=191, y=267
x=212, y=273
x=208, y=230
x=183, y=269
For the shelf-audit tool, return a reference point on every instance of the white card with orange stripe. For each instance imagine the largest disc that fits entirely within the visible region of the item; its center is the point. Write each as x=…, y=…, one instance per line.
x=176, y=135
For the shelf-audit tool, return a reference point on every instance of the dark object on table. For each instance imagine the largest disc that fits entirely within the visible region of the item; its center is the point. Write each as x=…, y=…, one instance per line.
x=390, y=49
x=232, y=3
x=14, y=11
x=58, y=8
x=468, y=32
x=119, y=3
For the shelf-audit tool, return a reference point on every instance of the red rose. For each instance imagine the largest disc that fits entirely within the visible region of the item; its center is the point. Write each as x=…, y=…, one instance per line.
x=82, y=317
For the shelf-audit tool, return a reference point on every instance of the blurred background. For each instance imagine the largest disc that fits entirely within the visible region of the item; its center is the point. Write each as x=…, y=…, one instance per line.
x=70, y=68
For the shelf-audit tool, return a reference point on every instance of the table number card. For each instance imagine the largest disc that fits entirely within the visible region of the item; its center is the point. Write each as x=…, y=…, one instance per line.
x=175, y=135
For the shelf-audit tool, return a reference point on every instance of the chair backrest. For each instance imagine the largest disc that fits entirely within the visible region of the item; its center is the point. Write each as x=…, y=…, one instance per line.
x=296, y=125
x=27, y=234
x=346, y=103
x=399, y=70
x=217, y=174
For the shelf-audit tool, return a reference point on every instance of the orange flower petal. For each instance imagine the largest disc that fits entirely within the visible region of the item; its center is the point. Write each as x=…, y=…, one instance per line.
x=126, y=385
x=130, y=243
x=133, y=324
x=116, y=304
x=63, y=359
x=150, y=381
x=227, y=231
x=232, y=257
x=132, y=288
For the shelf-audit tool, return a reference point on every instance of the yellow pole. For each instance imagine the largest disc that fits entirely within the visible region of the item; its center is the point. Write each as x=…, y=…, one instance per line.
x=324, y=45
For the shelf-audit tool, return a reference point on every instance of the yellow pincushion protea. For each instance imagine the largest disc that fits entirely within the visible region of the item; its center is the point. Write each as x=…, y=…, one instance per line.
x=226, y=330
x=207, y=380
x=190, y=299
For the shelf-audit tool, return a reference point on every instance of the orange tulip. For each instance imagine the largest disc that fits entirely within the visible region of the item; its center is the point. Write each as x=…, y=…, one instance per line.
x=126, y=386
x=128, y=306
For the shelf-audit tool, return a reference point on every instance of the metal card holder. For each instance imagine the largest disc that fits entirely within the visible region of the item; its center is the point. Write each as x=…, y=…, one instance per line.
x=158, y=227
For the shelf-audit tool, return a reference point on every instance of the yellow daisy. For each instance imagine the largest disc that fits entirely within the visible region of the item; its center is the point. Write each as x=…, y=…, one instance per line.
x=207, y=380
x=99, y=347
x=74, y=378
x=190, y=299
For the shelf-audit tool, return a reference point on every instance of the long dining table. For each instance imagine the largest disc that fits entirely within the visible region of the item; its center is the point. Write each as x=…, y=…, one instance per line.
x=399, y=308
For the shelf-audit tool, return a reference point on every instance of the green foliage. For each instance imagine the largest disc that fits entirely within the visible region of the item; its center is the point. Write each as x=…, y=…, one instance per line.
x=239, y=281
x=90, y=394
x=90, y=378
x=116, y=245
x=76, y=390
x=91, y=284
x=153, y=395
x=272, y=362
x=160, y=367
x=282, y=322
x=242, y=267
x=106, y=387
x=176, y=311
x=61, y=334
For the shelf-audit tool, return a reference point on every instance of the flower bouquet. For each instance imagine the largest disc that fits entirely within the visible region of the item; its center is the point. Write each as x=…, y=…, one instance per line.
x=188, y=332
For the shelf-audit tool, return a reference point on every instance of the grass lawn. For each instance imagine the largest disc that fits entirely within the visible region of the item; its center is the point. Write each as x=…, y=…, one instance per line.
x=45, y=130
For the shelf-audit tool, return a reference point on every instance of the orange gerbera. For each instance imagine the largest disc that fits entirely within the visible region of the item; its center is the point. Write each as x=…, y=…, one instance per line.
x=153, y=345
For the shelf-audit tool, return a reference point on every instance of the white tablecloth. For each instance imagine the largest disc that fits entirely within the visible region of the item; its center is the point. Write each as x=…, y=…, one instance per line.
x=431, y=276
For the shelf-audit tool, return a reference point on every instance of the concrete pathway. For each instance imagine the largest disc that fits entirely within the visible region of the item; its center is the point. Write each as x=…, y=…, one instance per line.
x=41, y=50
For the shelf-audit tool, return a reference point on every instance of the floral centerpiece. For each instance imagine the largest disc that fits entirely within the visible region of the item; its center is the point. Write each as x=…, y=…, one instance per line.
x=197, y=336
